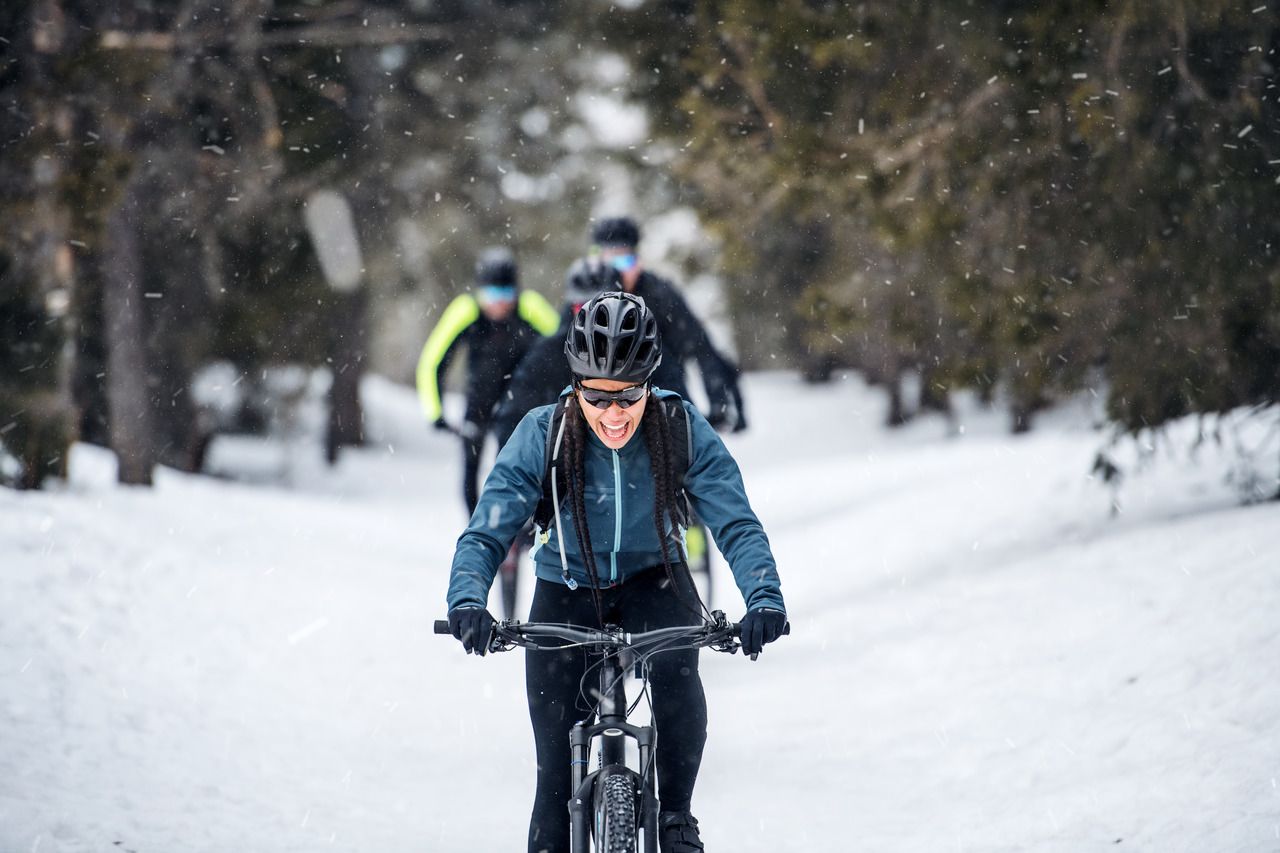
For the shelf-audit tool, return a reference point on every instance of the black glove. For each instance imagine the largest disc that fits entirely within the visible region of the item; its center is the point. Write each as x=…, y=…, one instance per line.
x=472, y=625
x=442, y=425
x=760, y=626
x=727, y=413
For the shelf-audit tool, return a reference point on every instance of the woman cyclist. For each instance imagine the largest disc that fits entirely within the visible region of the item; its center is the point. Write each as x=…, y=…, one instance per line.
x=622, y=563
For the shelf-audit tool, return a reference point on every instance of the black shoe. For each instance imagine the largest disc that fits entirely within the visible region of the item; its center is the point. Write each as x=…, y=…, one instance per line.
x=678, y=833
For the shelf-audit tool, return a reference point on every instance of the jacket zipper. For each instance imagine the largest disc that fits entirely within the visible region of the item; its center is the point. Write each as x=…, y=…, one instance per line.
x=617, y=521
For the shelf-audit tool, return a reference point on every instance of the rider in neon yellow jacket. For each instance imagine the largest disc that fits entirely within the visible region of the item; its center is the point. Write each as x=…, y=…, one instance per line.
x=497, y=324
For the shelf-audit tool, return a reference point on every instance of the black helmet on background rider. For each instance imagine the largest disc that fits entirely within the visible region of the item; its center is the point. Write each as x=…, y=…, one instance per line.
x=496, y=267
x=616, y=232
x=586, y=278
x=614, y=336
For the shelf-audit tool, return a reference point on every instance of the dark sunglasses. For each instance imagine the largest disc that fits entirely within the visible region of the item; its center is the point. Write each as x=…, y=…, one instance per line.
x=626, y=398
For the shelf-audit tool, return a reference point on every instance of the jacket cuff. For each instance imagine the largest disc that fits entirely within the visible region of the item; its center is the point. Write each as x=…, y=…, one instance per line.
x=465, y=601
x=767, y=598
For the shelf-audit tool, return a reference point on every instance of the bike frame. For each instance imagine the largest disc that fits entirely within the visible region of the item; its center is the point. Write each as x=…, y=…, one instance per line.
x=610, y=727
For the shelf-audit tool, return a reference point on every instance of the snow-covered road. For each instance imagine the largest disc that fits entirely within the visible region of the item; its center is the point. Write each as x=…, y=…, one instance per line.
x=983, y=659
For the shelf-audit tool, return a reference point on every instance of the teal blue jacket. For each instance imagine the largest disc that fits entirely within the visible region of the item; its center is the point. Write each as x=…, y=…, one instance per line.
x=619, y=500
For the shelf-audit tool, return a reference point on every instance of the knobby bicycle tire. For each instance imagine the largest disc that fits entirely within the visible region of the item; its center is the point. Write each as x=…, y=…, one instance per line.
x=615, y=810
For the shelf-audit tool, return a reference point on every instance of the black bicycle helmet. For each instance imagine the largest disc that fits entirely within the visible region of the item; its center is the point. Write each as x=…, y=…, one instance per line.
x=496, y=266
x=614, y=336
x=617, y=231
x=587, y=277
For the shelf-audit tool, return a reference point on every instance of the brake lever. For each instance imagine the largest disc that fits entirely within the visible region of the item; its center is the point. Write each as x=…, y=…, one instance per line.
x=497, y=642
x=786, y=629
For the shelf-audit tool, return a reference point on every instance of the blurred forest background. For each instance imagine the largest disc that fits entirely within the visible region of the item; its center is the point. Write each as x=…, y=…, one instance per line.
x=1027, y=200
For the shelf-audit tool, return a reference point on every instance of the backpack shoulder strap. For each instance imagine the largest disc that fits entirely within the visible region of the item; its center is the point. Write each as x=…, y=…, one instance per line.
x=681, y=432
x=546, y=509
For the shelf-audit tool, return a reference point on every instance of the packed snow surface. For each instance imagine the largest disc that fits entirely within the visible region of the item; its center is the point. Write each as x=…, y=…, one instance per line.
x=992, y=651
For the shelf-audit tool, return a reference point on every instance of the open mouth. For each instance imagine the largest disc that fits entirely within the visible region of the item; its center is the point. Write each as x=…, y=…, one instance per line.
x=615, y=431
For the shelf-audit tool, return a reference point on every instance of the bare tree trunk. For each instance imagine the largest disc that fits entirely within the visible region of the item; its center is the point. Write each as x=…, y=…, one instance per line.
x=897, y=411
x=346, y=417
x=1021, y=414
x=50, y=413
x=933, y=394
x=177, y=329
x=986, y=391
x=128, y=397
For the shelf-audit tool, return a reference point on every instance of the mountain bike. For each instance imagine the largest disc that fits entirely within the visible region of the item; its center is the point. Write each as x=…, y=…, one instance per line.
x=615, y=806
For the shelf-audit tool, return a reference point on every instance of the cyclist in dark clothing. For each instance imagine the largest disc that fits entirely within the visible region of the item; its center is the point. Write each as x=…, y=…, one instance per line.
x=685, y=338
x=619, y=560
x=498, y=325
x=542, y=375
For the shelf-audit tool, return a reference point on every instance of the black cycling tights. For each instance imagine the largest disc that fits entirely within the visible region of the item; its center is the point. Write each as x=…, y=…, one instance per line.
x=642, y=603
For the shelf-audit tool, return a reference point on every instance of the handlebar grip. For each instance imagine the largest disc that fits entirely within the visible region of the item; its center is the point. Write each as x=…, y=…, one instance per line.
x=442, y=626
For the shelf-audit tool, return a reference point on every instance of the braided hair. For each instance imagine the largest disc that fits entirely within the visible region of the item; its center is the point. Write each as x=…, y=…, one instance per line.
x=575, y=439
x=665, y=500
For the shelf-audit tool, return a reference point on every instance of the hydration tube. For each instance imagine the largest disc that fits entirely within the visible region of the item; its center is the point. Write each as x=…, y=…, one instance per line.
x=555, y=502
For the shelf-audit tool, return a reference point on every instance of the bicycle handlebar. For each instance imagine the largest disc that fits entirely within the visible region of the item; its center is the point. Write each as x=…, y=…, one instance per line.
x=719, y=633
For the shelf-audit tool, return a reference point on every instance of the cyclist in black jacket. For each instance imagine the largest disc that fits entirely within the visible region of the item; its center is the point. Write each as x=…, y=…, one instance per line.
x=616, y=240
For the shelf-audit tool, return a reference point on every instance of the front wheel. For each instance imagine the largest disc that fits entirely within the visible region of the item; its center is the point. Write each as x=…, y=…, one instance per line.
x=615, y=813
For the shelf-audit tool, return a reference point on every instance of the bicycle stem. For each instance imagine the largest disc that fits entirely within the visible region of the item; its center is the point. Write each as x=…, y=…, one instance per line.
x=613, y=708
